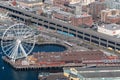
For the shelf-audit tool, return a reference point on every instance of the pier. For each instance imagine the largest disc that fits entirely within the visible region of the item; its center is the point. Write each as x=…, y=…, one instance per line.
x=39, y=67
x=58, y=60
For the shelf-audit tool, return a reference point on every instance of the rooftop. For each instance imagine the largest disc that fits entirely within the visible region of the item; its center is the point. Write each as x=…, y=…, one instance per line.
x=114, y=16
x=99, y=72
x=30, y=1
x=111, y=26
x=108, y=10
x=70, y=56
x=54, y=76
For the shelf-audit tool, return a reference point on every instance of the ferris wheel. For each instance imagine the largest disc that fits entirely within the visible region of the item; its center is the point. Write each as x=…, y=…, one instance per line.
x=18, y=41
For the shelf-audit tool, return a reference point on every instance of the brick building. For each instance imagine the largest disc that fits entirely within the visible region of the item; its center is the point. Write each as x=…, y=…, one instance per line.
x=60, y=3
x=110, y=16
x=75, y=20
x=95, y=8
x=64, y=16
x=63, y=2
x=82, y=20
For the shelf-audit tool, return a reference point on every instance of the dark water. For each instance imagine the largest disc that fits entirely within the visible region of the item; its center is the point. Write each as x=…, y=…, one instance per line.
x=10, y=74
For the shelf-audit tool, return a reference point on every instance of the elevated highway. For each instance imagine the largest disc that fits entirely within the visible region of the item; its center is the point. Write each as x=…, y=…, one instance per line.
x=84, y=34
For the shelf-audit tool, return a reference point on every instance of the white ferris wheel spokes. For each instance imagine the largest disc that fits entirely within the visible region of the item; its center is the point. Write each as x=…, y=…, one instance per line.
x=18, y=41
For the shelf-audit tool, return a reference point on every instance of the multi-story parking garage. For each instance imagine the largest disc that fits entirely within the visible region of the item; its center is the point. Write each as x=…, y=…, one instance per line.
x=84, y=34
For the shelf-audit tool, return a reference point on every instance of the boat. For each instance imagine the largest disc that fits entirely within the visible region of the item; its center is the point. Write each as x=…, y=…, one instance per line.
x=3, y=67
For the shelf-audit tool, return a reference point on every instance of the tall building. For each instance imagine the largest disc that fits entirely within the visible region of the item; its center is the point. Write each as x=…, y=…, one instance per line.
x=95, y=8
x=84, y=19
x=113, y=4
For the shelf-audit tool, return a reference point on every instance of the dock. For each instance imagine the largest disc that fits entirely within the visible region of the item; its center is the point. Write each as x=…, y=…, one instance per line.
x=38, y=67
x=58, y=60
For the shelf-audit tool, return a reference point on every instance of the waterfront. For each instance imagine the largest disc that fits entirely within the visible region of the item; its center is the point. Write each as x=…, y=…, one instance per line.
x=7, y=73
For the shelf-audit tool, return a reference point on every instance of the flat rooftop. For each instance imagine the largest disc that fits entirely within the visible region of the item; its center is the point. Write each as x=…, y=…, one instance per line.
x=111, y=26
x=70, y=56
x=30, y=2
x=99, y=72
x=53, y=76
x=102, y=69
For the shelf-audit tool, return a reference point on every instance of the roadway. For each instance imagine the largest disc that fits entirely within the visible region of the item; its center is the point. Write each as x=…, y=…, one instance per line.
x=84, y=34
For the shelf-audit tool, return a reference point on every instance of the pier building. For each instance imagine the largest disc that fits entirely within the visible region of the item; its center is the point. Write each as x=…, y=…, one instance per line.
x=96, y=73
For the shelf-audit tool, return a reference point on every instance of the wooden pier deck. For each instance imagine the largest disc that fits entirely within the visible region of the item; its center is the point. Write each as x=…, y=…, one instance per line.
x=58, y=60
x=33, y=67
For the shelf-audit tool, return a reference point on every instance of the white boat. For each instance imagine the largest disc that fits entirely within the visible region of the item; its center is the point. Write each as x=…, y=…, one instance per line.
x=3, y=67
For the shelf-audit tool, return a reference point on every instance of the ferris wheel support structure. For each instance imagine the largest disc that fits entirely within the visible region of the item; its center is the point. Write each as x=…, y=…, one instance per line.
x=18, y=41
